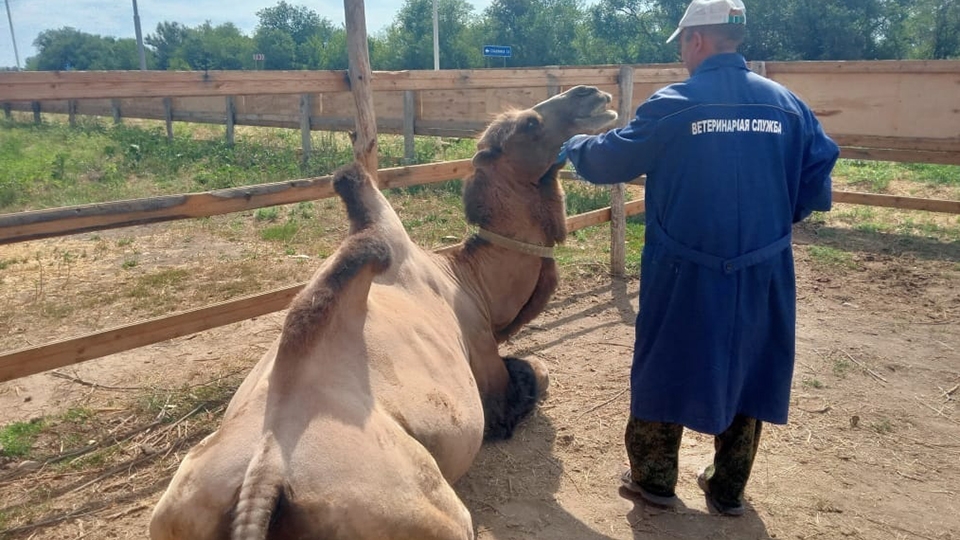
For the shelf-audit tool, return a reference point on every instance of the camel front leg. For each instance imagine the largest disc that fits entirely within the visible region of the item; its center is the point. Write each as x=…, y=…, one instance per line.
x=526, y=384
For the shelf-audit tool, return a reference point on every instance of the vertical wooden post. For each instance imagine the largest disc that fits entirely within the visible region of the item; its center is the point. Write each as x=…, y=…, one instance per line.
x=35, y=105
x=6, y=111
x=553, y=87
x=115, y=106
x=306, y=106
x=618, y=218
x=231, y=118
x=409, y=123
x=72, y=112
x=359, y=78
x=168, y=116
x=758, y=67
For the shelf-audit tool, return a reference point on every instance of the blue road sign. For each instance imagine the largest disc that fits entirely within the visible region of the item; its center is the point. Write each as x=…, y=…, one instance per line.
x=504, y=51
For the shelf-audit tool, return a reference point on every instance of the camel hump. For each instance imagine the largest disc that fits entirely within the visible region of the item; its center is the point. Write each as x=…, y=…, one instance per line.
x=260, y=494
x=343, y=282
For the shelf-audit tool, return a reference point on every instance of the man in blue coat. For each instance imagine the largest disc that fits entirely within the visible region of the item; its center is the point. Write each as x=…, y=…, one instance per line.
x=732, y=160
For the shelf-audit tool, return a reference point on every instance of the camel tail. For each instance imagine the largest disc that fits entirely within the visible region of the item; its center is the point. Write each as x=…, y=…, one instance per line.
x=260, y=494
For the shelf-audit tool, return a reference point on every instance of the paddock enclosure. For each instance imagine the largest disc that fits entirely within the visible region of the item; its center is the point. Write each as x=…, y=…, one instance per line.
x=873, y=447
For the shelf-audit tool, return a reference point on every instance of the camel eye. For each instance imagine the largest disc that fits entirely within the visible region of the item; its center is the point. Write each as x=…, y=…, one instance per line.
x=531, y=124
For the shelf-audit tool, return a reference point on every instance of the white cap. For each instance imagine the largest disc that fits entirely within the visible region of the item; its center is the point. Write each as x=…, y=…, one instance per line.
x=705, y=12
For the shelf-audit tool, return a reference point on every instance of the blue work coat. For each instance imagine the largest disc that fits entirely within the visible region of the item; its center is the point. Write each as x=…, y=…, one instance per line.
x=732, y=161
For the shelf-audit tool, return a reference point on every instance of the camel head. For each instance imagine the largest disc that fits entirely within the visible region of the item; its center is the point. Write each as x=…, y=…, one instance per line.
x=514, y=188
x=529, y=139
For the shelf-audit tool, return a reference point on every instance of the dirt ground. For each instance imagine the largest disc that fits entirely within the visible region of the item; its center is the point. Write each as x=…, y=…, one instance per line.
x=871, y=451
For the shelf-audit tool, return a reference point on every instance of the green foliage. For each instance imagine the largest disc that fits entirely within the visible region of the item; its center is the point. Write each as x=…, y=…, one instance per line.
x=267, y=214
x=583, y=197
x=409, y=40
x=541, y=32
x=17, y=438
x=70, y=49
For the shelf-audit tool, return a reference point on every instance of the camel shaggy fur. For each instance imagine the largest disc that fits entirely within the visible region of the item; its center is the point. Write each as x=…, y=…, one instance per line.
x=386, y=377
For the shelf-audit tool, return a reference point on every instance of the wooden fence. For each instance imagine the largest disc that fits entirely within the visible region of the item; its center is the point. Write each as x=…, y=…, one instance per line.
x=901, y=111
x=887, y=110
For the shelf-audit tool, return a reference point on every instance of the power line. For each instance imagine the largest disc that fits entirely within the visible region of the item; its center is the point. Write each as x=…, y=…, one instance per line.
x=16, y=54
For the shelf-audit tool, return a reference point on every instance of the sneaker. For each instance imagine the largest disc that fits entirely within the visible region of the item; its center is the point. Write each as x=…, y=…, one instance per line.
x=666, y=501
x=715, y=505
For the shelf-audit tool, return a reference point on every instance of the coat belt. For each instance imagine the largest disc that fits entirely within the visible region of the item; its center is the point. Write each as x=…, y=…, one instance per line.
x=727, y=266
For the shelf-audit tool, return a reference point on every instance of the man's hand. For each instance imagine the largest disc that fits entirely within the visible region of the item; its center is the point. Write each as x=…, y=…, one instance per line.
x=562, y=156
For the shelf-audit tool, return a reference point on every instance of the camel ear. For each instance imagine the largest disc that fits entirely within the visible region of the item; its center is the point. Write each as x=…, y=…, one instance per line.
x=486, y=156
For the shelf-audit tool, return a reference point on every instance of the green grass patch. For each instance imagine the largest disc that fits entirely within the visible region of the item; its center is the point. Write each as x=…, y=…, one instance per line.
x=873, y=176
x=583, y=197
x=17, y=438
x=830, y=256
x=840, y=367
x=77, y=415
x=280, y=233
x=932, y=174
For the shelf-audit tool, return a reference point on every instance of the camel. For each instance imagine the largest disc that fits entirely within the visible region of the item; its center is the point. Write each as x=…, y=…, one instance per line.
x=386, y=377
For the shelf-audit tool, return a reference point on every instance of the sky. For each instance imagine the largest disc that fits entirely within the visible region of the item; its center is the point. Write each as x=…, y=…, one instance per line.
x=115, y=17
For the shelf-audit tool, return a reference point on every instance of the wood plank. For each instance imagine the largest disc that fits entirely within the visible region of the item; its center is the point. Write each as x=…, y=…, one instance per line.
x=123, y=338
x=925, y=144
x=864, y=66
x=231, y=119
x=36, y=224
x=415, y=175
x=306, y=138
x=409, y=124
x=44, y=85
x=168, y=117
x=896, y=201
x=900, y=156
x=618, y=220
x=72, y=112
x=359, y=77
x=596, y=217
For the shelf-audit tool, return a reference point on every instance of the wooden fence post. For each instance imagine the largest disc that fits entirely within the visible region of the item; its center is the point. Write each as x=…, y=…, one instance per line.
x=409, y=123
x=306, y=107
x=35, y=105
x=72, y=112
x=168, y=116
x=359, y=78
x=6, y=111
x=231, y=118
x=618, y=218
x=553, y=87
x=115, y=107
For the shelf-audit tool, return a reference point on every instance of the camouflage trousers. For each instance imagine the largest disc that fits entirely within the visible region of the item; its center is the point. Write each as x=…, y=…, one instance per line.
x=654, y=447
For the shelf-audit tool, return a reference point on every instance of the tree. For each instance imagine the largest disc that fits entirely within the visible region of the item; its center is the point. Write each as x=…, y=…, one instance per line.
x=70, y=49
x=287, y=35
x=409, y=40
x=215, y=47
x=165, y=42
x=541, y=32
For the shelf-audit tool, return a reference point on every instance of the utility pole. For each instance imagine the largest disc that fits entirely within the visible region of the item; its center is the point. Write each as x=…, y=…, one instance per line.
x=14, y=38
x=436, y=37
x=136, y=25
